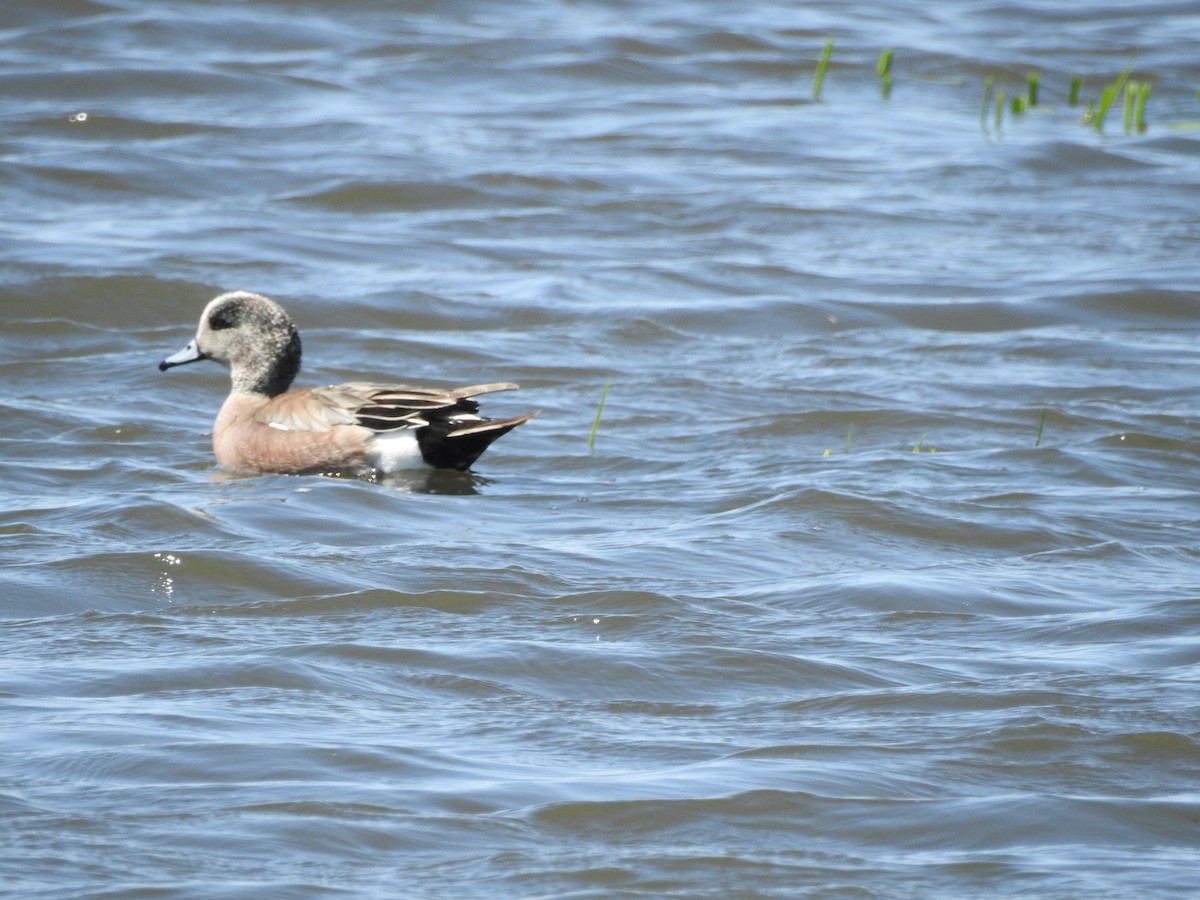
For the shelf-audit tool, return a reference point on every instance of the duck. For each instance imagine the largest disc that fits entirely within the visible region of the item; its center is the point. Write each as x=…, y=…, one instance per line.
x=358, y=428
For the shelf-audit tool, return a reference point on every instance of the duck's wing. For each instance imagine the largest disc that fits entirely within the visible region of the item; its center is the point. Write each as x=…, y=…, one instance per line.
x=378, y=407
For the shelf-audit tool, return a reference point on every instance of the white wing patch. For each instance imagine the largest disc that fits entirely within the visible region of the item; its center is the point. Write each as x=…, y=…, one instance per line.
x=394, y=451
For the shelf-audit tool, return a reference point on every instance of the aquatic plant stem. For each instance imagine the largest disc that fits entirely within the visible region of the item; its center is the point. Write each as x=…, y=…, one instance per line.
x=1109, y=95
x=1140, y=113
x=883, y=68
x=1076, y=87
x=596, y=422
x=822, y=68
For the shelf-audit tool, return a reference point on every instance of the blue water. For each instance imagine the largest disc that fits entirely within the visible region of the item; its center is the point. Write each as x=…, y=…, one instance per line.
x=878, y=579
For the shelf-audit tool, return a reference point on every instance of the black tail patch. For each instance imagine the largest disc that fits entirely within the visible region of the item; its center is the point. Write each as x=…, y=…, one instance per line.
x=443, y=449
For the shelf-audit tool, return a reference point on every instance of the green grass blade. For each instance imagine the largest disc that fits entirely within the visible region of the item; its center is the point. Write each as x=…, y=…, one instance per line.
x=1041, y=424
x=1076, y=87
x=1109, y=95
x=599, y=410
x=883, y=68
x=1140, y=114
x=986, y=108
x=822, y=68
x=1106, y=100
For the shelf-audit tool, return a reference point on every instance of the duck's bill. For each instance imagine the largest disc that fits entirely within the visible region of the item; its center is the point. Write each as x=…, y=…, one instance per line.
x=189, y=354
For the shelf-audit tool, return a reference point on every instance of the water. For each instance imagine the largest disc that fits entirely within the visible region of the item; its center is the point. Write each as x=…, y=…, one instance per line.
x=764, y=640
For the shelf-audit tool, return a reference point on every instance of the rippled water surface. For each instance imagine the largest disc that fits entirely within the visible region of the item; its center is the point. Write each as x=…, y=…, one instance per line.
x=880, y=579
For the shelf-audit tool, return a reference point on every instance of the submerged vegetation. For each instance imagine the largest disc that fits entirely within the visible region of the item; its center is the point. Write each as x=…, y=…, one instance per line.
x=591, y=442
x=1135, y=94
x=920, y=446
x=1001, y=101
x=883, y=69
x=822, y=68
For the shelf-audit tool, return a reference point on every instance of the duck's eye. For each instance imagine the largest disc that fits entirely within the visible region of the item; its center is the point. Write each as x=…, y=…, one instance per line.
x=221, y=318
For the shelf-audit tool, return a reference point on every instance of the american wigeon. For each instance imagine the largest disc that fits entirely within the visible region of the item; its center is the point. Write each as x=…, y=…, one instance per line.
x=353, y=428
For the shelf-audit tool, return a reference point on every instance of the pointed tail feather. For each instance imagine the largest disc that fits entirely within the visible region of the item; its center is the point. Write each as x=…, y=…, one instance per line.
x=502, y=425
x=475, y=390
x=445, y=447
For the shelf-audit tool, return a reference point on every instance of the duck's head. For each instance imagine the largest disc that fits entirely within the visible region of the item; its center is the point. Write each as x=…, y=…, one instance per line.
x=250, y=335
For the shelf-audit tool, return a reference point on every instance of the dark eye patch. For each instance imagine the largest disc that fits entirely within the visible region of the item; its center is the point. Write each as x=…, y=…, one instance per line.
x=221, y=319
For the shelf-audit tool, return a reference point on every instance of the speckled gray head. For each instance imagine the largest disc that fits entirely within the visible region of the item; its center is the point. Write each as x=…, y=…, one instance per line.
x=250, y=335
